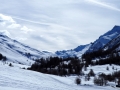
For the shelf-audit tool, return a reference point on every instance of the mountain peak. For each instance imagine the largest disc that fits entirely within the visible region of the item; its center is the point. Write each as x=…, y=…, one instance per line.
x=116, y=28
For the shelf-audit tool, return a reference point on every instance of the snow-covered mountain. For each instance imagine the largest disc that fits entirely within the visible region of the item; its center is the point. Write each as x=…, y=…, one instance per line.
x=96, y=45
x=73, y=52
x=18, y=52
x=104, y=39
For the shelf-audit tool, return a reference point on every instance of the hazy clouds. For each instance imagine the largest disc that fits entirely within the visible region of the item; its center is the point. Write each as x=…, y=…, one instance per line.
x=57, y=24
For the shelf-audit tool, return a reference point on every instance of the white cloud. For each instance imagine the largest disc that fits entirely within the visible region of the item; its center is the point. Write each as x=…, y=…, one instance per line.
x=8, y=22
x=9, y=27
x=2, y=23
x=6, y=18
x=14, y=25
x=25, y=29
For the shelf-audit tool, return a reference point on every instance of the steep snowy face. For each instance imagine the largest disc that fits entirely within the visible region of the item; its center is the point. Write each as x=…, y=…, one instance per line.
x=104, y=39
x=18, y=52
x=113, y=44
x=80, y=48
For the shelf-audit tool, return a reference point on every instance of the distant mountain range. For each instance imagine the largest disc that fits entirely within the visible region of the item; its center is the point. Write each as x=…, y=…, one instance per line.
x=77, y=52
x=20, y=53
x=107, y=40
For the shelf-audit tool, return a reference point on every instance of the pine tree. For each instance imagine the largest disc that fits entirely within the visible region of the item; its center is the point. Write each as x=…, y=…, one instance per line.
x=91, y=73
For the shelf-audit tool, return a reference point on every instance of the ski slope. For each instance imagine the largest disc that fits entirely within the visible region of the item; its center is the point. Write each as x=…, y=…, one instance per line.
x=15, y=78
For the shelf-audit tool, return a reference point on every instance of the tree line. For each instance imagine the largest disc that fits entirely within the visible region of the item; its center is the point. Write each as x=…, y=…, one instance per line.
x=102, y=57
x=58, y=66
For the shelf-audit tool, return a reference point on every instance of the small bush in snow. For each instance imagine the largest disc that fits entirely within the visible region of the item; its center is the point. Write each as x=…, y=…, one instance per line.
x=78, y=81
x=10, y=65
x=100, y=81
x=107, y=68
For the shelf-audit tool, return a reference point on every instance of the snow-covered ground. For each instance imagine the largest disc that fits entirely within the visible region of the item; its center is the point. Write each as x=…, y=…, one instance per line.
x=15, y=78
x=102, y=69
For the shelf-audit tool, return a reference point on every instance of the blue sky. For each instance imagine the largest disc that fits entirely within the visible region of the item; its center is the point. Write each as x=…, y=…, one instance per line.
x=53, y=25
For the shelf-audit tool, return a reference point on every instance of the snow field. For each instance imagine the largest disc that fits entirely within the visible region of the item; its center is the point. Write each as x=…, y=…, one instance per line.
x=14, y=78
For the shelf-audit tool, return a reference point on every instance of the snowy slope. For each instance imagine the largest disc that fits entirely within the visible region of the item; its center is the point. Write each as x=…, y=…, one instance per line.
x=13, y=78
x=113, y=43
x=18, y=52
